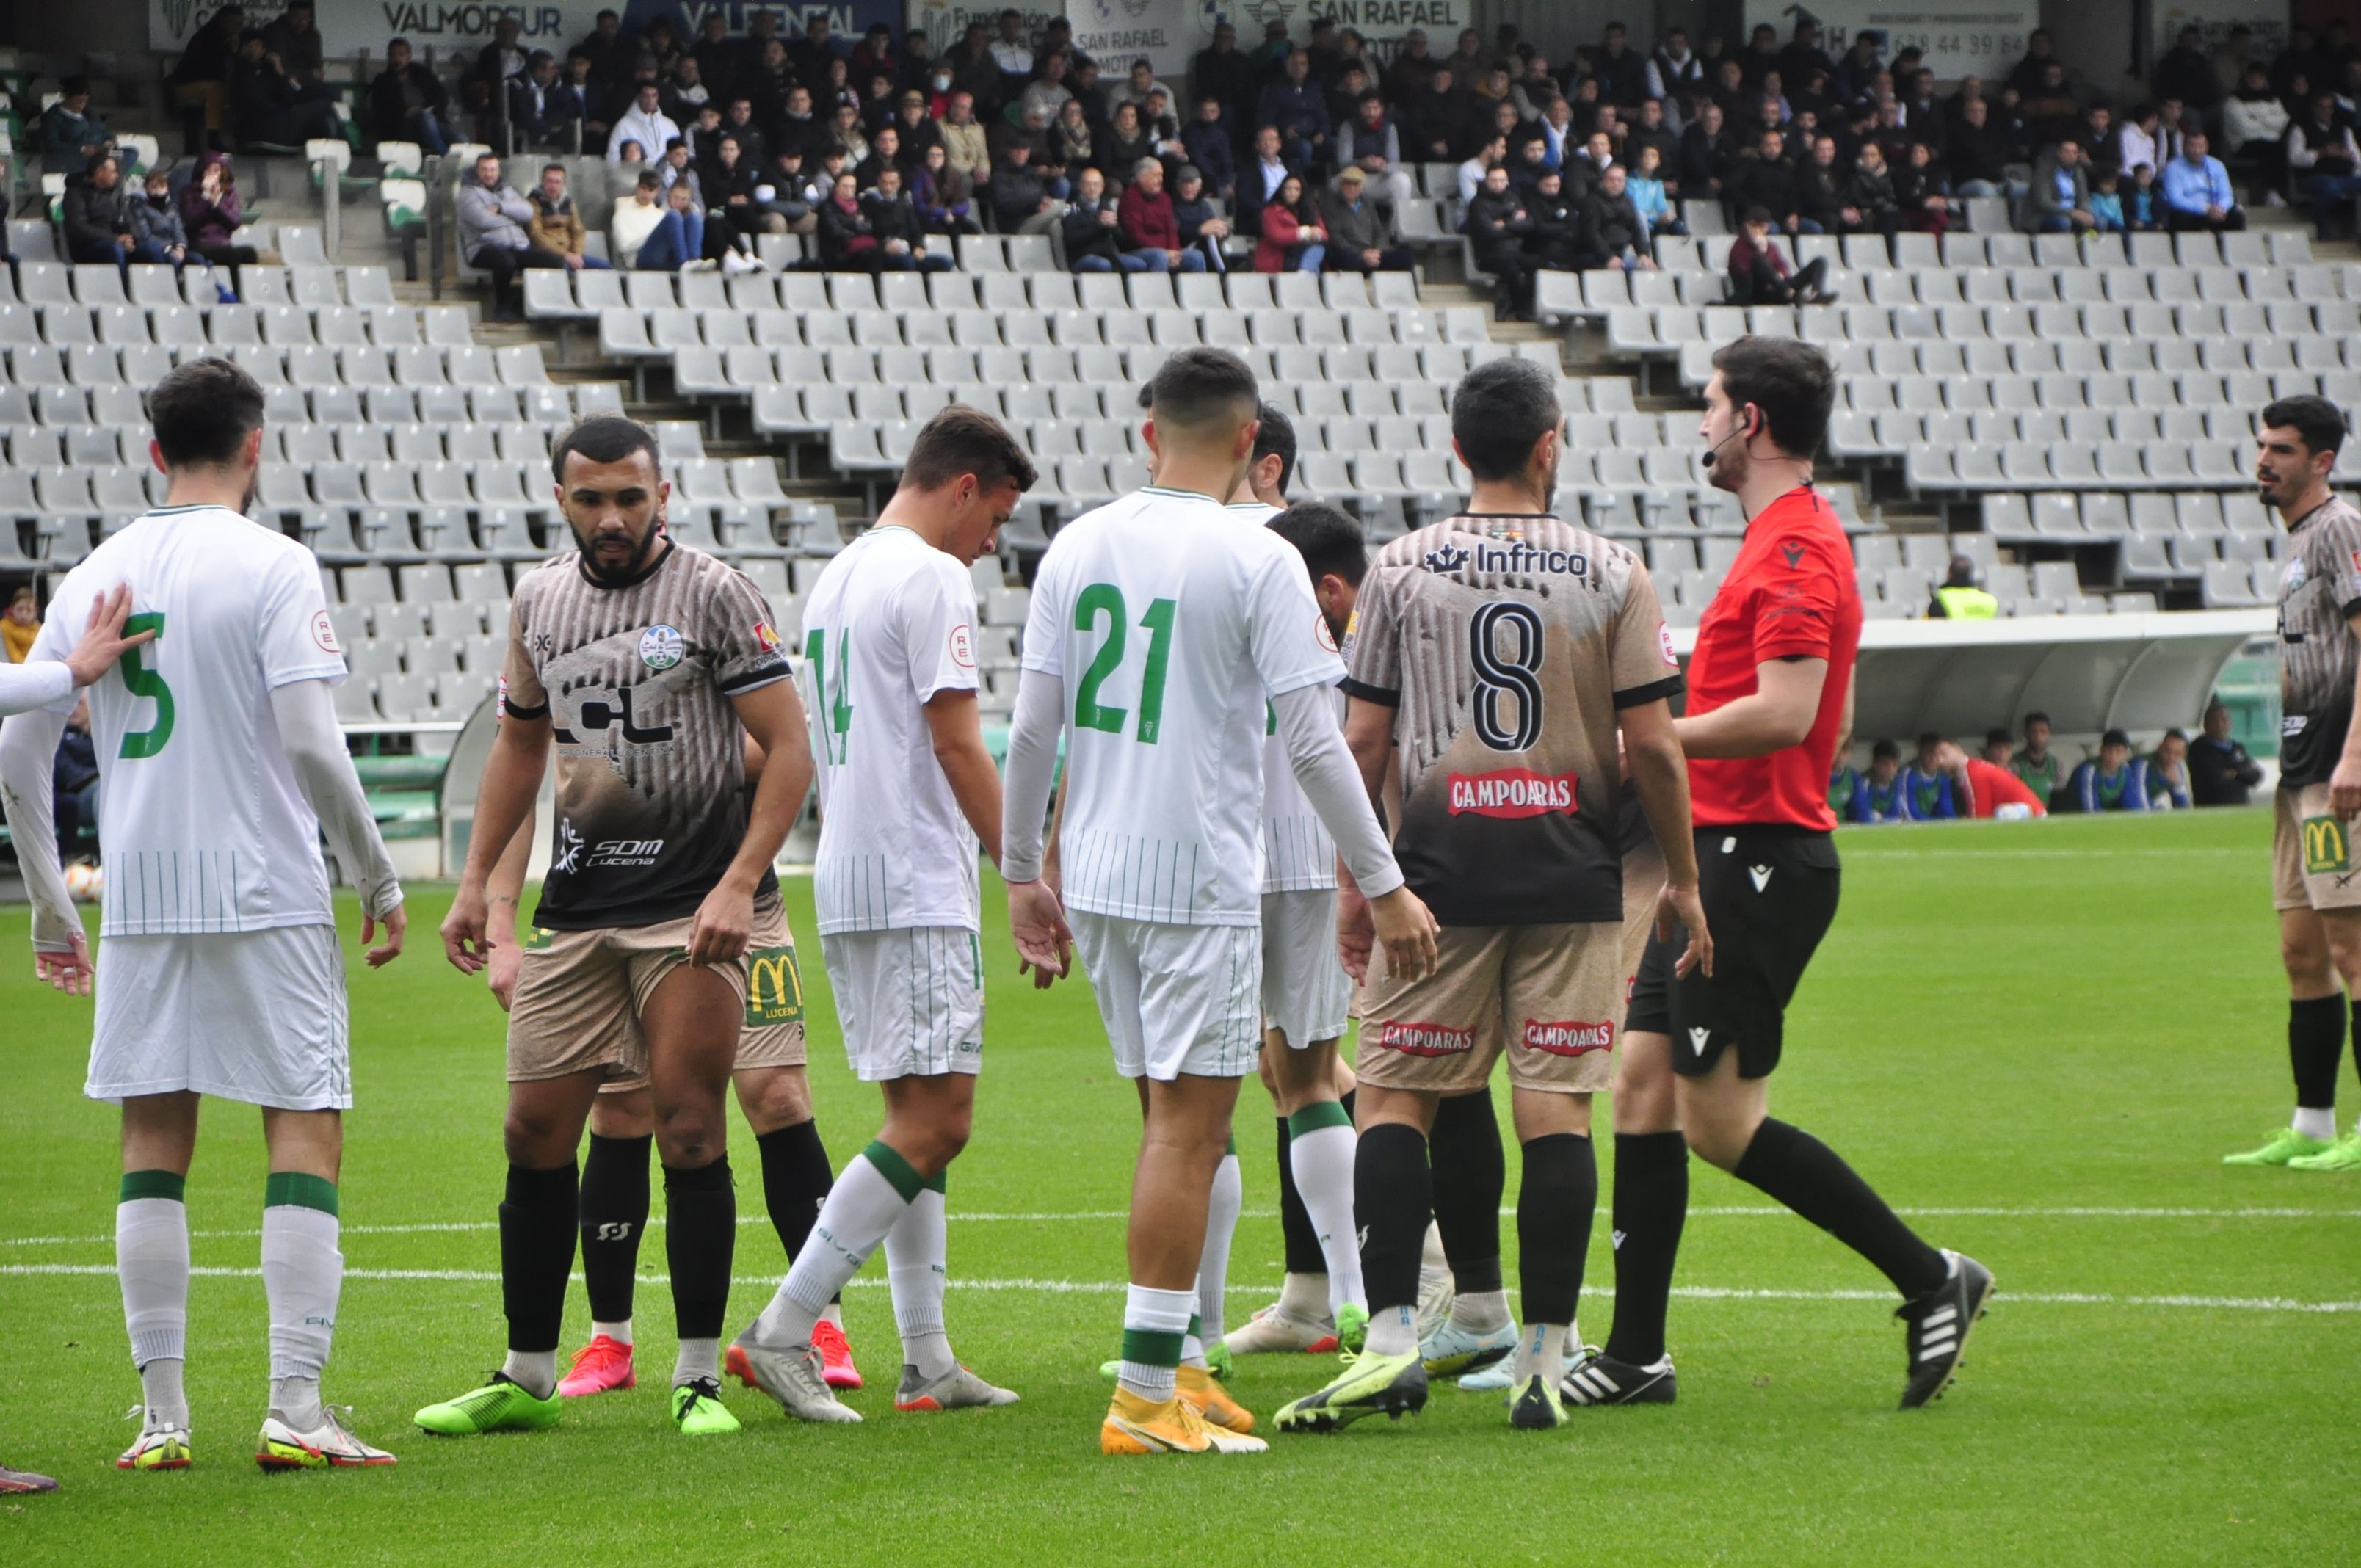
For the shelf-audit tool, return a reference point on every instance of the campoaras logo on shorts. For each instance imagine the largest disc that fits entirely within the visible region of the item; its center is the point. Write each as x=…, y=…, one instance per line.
x=1512, y=793
x=1426, y=1040
x=1568, y=1039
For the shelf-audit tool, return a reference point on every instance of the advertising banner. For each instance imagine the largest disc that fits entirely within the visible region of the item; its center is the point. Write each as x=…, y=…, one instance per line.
x=1957, y=38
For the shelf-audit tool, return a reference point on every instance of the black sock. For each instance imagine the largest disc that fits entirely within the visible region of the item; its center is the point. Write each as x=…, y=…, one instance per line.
x=1810, y=1177
x=536, y=1254
x=1651, y=1201
x=1470, y=1173
x=614, y=1212
x=1555, y=1203
x=1393, y=1194
x=1295, y=1230
x=700, y=1239
x=2315, y=1042
x=795, y=1179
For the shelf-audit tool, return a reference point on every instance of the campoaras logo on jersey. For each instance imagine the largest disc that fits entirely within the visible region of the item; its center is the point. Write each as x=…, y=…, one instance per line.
x=1512, y=793
x=1426, y=1040
x=1569, y=1038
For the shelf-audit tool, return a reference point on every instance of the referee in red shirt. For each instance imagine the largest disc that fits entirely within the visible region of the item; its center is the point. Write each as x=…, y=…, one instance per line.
x=1769, y=686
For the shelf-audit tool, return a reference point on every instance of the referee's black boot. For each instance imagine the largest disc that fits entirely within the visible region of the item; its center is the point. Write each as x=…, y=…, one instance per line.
x=1597, y=1378
x=1939, y=1323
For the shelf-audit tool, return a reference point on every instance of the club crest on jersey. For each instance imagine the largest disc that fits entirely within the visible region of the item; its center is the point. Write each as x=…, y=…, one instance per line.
x=964, y=646
x=766, y=637
x=1426, y=1040
x=1568, y=1039
x=1512, y=793
x=661, y=647
x=324, y=633
x=2292, y=578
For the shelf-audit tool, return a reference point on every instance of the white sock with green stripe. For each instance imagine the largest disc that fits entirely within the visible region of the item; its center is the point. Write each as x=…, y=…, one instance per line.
x=875, y=1192
x=151, y=1259
x=915, y=1251
x=1222, y=1205
x=1154, y=1323
x=302, y=1276
x=1320, y=1150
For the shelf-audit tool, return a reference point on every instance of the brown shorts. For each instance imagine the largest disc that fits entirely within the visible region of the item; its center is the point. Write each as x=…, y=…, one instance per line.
x=2312, y=863
x=579, y=997
x=1545, y=995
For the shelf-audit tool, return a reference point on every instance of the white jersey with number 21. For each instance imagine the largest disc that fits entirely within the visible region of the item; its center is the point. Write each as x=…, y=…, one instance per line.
x=1171, y=623
x=204, y=826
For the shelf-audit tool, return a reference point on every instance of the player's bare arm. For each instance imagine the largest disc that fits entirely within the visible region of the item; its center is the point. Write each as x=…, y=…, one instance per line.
x=1325, y=767
x=1370, y=736
x=1037, y=919
x=1778, y=713
x=503, y=894
x=957, y=731
x=2344, y=783
x=1659, y=772
x=503, y=804
x=774, y=718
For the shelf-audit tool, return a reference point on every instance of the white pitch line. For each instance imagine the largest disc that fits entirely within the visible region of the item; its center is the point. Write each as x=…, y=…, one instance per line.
x=1114, y=1288
x=1736, y=1210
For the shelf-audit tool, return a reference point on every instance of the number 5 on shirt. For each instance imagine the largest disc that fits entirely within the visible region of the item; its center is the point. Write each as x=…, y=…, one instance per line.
x=141, y=681
x=1105, y=598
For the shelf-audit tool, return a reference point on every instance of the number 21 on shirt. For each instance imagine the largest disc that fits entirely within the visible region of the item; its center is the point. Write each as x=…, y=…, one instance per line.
x=1102, y=603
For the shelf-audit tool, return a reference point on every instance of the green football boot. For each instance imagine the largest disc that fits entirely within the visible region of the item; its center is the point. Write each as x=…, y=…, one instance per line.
x=697, y=1409
x=1217, y=1358
x=1536, y=1407
x=1392, y=1385
x=2285, y=1146
x=1352, y=1328
x=2344, y=1154
x=501, y=1405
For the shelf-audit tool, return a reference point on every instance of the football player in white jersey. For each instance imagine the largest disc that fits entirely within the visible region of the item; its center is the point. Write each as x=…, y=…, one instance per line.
x=1170, y=625
x=906, y=791
x=222, y=764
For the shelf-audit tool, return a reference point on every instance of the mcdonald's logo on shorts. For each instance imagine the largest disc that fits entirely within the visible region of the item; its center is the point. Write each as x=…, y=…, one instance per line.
x=774, y=988
x=2324, y=846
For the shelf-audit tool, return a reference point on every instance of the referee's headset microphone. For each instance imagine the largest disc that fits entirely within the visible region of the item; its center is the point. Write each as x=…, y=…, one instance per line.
x=1742, y=431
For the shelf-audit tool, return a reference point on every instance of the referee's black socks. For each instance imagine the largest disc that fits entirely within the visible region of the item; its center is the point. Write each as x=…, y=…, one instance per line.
x=614, y=1214
x=537, y=1220
x=1652, y=1203
x=700, y=1240
x=1556, y=1201
x=2315, y=1044
x=1810, y=1177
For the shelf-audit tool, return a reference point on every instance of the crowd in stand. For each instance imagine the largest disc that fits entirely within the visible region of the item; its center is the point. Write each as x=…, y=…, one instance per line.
x=2008, y=779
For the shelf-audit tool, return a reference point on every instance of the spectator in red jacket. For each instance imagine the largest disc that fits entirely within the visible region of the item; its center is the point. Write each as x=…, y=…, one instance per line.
x=1144, y=217
x=1293, y=239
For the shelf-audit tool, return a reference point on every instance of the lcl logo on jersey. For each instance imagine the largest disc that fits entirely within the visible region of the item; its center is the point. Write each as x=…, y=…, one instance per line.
x=597, y=715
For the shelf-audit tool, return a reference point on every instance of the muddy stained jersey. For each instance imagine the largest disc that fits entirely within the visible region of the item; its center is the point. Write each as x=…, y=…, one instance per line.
x=636, y=682
x=2320, y=591
x=1505, y=644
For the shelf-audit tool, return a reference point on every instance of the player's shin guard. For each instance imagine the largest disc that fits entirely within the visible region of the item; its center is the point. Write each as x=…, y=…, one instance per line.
x=795, y=1182
x=866, y=1203
x=700, y=1241
x=1652, y=1202
x=614, y=1212
x=537, y=1228
x=1470, y=1175
x=151, y=1259
x=302, y=1275
x=1393, y=1191
x=1321, y=1152
x=1221, y=1208
x=916, y=1268
x=1810, y=1177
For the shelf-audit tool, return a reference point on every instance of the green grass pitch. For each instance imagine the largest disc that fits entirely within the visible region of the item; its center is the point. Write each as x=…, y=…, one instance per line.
x=2041, y=1038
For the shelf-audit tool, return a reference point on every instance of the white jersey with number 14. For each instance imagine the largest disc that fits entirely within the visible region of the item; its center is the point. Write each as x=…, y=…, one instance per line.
x=204, y=826
x=1171, y=623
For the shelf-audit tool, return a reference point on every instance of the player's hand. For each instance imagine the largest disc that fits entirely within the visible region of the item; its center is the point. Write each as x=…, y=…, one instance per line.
x=463, y=930
x=1679, y=906
x=103, y=642
x=724, y=926
x=396, y=923
x=1038, y=921
x=1408, y=928
x=501, y=973
x=68, y=971
x=1357, y=935
x=2345, y=787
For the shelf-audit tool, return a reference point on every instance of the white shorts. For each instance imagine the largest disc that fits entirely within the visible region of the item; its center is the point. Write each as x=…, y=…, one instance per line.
x=1305, y=991
x=911, y=1001
x=1175, y=999
x=252, y=1015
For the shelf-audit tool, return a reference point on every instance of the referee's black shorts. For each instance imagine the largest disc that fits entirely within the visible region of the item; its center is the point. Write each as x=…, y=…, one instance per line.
x=1769, y=895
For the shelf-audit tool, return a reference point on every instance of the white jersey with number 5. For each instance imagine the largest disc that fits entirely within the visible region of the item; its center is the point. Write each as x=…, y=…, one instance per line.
x=1171, y=623
x=204, y=826
x=890, y=623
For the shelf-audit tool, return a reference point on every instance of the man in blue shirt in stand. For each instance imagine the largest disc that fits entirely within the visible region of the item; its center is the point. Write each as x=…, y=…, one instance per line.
x=2196, y=187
